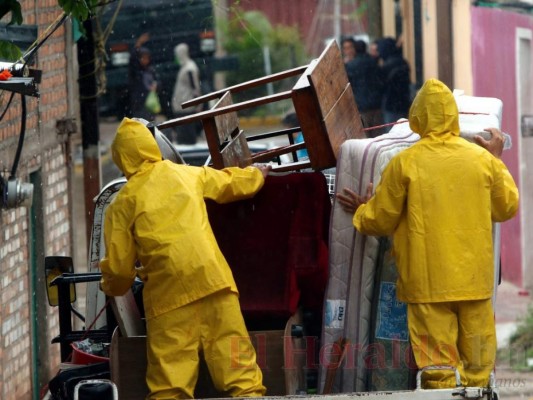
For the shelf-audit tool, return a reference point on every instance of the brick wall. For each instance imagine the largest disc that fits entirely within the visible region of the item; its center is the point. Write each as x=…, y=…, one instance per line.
x=27, y=360
x=14, y=365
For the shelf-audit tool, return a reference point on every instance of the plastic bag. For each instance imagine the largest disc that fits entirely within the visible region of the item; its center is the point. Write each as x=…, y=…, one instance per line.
x=152, y=103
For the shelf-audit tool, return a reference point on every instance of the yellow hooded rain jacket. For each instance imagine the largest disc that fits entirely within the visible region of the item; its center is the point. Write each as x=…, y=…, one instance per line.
x=438, y=199
x=159, y=218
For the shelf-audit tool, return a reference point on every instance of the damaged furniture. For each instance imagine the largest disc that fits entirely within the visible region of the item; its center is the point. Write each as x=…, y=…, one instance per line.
x=324, y=104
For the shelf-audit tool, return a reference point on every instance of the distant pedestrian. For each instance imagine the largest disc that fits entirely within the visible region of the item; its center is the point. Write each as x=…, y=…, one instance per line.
x=187, y=87
x=348, y=49
x=141, y=79
x=373, y=50
x=395, y=73
x=365, y=80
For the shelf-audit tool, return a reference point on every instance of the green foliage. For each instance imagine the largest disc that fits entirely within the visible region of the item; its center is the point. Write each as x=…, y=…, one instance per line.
x=287, y=51
x=520, y=347
x=246, y=36
x=9, y=52
x=77, y=9
x=13, y=7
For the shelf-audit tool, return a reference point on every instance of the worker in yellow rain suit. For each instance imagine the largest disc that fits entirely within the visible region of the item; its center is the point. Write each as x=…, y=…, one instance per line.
x=438, y=199
x=191, y=305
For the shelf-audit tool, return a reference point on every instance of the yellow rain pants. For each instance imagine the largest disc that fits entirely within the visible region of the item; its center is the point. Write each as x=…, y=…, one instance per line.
x=212, y=325
x=459, y=334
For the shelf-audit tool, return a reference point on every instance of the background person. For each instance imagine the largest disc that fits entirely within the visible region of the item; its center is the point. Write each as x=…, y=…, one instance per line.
x=395, y=75
x=191, y=304
x=373, y=50
x=439, y=199
x=186, y=88
x=365, y=80
x=142, y=79
x=348, y=49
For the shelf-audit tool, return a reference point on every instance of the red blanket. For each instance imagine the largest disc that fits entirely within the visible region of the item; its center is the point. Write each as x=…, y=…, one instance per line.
x=276, y=244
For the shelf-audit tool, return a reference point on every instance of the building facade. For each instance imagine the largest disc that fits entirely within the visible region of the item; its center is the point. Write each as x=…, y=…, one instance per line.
x=27, y=323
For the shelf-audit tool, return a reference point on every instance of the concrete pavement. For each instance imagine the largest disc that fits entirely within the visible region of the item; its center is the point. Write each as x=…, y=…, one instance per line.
x=511, y=308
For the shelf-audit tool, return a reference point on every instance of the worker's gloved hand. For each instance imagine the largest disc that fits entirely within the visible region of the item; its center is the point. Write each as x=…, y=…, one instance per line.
x=350, y=201
x=495, y=144
x=264, y=168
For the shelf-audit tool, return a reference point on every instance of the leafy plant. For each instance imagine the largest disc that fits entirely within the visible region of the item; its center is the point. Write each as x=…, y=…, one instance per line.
x=248, y=35
x=520, y=348
x=9, y=51
x=77, y=9
x=13, y=7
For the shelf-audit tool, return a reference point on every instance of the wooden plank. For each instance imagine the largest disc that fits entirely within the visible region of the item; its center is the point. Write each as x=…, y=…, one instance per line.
x=237, y=153
x=213, y=142
x=314, y=131
x=295, y=166
x=127, y=361
x=343, y=121
x=326, y=108
x=219, y=129
x=245, y=86
x=227, y=124
x=328, y=77
x=223, y=110
x=128, y=315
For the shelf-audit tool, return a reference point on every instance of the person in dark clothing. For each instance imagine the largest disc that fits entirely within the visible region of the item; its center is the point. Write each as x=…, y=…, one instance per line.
x=395, y=74
x=365, y=79
x=141, y=79
x=373, y=50
x=348, y=49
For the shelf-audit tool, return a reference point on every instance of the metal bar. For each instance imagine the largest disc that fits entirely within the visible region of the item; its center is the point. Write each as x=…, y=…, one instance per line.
x=291, y=142
x=97, y=334
x=65, y=321
x=90, y=382
x=67, y=278
x=268, y=135
x=269, y=154
x=432, y=394
x=292, y=166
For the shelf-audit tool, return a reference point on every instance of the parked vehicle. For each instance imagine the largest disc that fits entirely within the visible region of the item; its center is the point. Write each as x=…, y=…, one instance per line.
x=128, y=367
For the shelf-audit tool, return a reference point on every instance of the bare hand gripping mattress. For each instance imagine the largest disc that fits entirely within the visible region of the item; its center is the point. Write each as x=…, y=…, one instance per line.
x=353, y=295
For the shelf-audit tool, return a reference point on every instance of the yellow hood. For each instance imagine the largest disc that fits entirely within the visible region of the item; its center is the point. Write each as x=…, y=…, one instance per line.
x=434, y=111
x=439, y=199
x=133, y=145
